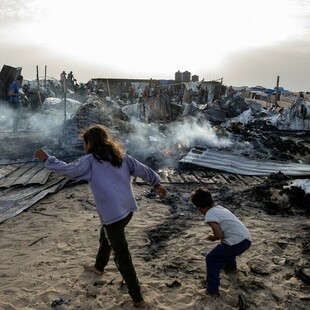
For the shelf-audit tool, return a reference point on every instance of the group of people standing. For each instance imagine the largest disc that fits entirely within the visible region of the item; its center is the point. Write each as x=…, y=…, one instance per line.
x=67, y=81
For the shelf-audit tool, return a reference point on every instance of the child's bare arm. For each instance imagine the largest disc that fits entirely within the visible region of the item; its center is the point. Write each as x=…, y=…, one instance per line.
x=217, y=233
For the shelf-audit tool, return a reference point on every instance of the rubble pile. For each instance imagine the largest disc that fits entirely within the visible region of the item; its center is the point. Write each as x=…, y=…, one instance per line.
x=279, y=197
x=94, y=111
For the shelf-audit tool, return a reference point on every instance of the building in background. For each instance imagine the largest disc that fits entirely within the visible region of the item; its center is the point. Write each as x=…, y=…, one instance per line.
x=184, y=76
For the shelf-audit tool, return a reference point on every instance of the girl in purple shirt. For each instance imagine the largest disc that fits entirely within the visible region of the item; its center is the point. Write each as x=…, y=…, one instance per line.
x=108, y=170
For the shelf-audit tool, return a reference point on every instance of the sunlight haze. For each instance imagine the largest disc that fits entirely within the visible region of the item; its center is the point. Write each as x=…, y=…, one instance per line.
x=244, y=43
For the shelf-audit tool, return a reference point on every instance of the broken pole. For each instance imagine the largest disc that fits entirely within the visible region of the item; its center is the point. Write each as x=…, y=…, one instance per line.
x=277, y=90
x=220, y=87
x=65, y=110
x=108, y=85
x=45, y=75
x=38, y=87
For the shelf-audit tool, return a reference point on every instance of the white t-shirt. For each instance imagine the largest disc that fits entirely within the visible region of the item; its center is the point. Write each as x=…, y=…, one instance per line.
x=233, y=229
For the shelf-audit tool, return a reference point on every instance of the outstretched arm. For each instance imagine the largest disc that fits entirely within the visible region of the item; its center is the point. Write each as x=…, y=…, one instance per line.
x=78, y=170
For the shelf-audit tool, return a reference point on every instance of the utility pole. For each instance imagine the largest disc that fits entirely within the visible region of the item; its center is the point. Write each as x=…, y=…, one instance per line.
x=220, y=91
x=109, y=93
x=45, y=76
x=277, y=91
x=65, y=110
x=38, y=87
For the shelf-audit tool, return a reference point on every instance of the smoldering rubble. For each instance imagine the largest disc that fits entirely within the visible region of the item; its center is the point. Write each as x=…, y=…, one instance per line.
x=165, y=135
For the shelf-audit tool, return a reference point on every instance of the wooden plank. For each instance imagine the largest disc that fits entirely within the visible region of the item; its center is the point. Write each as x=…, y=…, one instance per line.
x=240, y=179
x=189, y=178
x=249, y=180
x=219, y=179
x=202, y=179
x=163, y=177
x=175, y=178
x=229, y=178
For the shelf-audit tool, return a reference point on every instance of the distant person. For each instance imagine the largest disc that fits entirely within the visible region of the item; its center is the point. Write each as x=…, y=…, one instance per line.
x=108, y=170
x=230, y=91
x=146, y=92
x=170, y=94
x=70, y=79
x=131, y=93
x=63, y=77
x=206, y=96
x=140, y=94
x=201, y=95
x=180, y=96
x=15, y=95
x=234, y=236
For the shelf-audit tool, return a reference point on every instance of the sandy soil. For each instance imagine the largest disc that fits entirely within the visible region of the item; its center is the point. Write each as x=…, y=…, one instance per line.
x=44, y=249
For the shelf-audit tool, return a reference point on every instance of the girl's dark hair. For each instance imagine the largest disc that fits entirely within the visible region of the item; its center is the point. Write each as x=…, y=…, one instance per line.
x=202, y=198
x=102, y=146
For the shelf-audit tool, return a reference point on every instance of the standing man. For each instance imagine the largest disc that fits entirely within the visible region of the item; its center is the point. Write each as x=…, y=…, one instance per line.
x=14, y=99
x=63, y=76
x=180, y=96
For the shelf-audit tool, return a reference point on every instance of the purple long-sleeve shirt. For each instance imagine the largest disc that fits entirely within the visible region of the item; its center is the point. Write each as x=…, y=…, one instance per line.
x=110, y=185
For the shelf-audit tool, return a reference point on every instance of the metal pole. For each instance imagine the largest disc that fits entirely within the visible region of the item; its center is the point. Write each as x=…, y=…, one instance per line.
x=277, y=90
x=45, y=75
x=65, y=111
x=109, y=89
x=38, y=87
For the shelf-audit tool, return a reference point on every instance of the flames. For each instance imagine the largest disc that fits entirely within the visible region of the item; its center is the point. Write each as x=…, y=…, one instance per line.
x=176, y=150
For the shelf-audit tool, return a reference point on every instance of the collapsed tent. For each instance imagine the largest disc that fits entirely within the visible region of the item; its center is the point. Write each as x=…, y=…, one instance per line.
x=297, y=117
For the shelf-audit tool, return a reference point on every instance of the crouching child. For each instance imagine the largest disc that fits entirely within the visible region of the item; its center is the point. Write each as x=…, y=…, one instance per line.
x=234, y=236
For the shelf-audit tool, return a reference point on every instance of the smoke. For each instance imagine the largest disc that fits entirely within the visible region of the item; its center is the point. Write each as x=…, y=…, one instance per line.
x=155, y=144
x=52, y=115
x=192, y=132
x=6, y=116
x=165, y=144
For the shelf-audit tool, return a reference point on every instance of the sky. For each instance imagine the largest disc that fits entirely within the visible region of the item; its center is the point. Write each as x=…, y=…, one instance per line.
x=245, y=42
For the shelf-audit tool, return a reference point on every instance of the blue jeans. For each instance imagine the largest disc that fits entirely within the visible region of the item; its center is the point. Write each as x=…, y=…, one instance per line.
x=223, y=256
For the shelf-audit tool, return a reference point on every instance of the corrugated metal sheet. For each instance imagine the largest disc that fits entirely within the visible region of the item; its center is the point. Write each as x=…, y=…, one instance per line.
x=23, y=184
x=23, y=174
x=242, y=165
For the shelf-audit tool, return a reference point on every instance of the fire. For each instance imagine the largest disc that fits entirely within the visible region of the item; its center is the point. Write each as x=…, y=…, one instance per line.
x=172, y=151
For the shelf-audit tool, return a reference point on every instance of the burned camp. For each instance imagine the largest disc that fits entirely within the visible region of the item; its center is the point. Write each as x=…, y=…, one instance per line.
x=249, y=148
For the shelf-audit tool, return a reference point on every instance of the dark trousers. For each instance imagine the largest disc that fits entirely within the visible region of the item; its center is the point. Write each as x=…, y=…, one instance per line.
x=16, y=110
x=223, y=256
x=113, y=237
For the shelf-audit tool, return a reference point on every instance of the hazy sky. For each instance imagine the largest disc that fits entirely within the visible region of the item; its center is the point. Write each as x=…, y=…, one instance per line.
x=245, y=42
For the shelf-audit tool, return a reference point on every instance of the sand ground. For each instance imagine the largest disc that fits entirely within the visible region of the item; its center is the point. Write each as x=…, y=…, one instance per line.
x=44, y=249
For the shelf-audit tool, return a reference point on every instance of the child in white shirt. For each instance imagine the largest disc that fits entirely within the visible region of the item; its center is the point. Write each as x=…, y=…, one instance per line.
x=235, y=238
